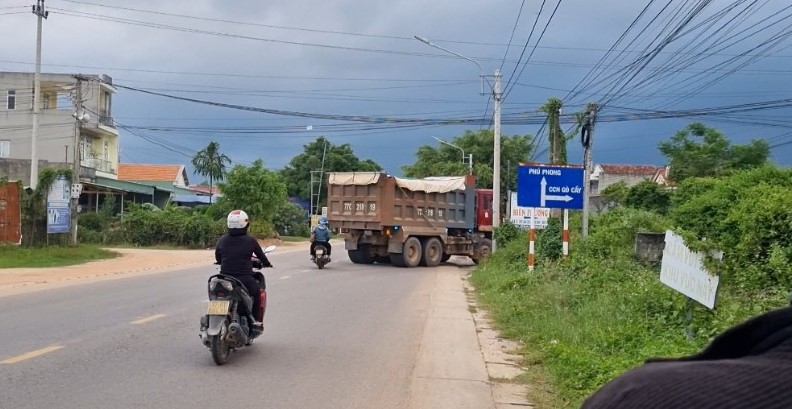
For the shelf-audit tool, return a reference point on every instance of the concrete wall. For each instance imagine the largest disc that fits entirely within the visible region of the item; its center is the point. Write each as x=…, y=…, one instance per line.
x=19, y=169
x=649, y=246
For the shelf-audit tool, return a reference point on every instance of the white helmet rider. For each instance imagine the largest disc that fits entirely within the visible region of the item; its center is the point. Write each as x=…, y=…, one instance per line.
x=237, y=219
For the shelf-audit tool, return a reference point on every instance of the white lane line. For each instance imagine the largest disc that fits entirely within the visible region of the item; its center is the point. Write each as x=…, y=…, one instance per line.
x=32, y=354
x=148, y=319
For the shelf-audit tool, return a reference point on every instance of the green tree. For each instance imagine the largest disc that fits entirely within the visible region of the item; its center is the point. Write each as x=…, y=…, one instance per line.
x=209, y=162
x=650, y=196
x=292, y=220
x=258, y=191
x=337, y=158
x=615, y=194
x=698, y=151
x=556, y=136
x=445, y=160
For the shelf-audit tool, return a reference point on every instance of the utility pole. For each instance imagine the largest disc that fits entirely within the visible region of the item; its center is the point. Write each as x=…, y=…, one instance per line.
x=587, y=137
x=496, y=171
x=39, y=11
x=78, y=118
x=496, y=166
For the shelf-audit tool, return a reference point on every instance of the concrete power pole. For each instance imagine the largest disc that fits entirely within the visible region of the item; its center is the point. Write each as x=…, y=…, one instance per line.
x=496, y=166
x=587, y=140
x=39, y=11
x=78, y=118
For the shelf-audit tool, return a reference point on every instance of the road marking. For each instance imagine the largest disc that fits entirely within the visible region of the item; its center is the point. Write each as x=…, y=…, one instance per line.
x=285, y=277
x=148, y=319
x=31, y=354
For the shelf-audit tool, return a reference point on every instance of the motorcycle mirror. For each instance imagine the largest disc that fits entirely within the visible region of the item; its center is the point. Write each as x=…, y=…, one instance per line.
x=270, y=249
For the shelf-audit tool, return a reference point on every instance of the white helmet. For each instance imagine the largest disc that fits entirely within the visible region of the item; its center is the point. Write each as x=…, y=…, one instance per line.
x=237, y=219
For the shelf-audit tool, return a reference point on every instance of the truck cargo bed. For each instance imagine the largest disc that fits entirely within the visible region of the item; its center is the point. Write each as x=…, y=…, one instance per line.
x=375, y=200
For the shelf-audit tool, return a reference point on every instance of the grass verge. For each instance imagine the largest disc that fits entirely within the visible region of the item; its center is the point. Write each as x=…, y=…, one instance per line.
x=293, y=239
x=587, y=319
x=53, y=256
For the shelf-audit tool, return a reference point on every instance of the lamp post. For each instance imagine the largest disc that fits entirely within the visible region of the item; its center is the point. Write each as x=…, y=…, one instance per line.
x=496, y=166
x=468, y=157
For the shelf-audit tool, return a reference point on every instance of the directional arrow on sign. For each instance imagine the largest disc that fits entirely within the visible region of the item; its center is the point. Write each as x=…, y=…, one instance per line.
x=545, y=197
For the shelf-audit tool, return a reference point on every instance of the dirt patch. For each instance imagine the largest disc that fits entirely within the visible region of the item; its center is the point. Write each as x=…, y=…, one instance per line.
x=132, y=261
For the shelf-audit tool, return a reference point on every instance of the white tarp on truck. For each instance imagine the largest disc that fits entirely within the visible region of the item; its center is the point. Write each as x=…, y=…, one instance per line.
x=440, y=184
x=436, y=184
x=353, y=178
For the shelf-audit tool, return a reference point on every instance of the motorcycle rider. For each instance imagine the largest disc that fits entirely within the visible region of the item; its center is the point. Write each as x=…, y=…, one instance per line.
x=233, y=253
x=320, y=235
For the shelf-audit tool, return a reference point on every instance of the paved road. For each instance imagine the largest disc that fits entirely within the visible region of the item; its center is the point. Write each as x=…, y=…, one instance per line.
x=344, y=337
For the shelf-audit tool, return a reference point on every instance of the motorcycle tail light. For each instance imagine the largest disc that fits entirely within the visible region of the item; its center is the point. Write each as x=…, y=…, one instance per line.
x=220, y=293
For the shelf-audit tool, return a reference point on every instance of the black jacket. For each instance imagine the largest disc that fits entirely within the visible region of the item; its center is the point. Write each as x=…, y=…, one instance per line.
x=748, y=366
x=234, y=250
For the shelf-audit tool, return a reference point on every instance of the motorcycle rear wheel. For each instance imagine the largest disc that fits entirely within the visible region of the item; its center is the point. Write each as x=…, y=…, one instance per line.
x=220, y=350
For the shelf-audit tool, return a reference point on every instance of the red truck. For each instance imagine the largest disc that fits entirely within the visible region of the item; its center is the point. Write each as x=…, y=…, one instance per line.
x=410, y=222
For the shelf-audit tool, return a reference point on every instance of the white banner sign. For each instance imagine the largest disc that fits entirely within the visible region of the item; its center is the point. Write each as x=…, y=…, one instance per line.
x=521, y=216
x=683, y=270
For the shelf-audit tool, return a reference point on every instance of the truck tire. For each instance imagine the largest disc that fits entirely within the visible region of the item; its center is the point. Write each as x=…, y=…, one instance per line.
x=411, y=255
x=485, y=249
x=361, y=256
x=432, y=252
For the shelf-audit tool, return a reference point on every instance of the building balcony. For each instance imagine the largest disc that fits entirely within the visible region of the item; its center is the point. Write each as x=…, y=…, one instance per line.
x=100, y=165
x=106, y=120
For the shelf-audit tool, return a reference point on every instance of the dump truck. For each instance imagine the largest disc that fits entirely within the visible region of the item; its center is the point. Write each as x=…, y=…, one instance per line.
x=410, y=222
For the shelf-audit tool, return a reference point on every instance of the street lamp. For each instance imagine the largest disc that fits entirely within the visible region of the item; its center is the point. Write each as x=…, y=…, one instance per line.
x=468, y=157
x=496, y=166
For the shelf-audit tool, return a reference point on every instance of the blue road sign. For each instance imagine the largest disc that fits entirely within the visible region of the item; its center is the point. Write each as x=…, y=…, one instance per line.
x=553, y=187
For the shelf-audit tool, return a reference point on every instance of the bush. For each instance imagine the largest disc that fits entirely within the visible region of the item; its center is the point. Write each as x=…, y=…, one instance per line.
x=261, y=229
x=748, y=216
x=145, y=227
x=292, y=220
x=93, y=221
x=507, y=232
x=549, y=242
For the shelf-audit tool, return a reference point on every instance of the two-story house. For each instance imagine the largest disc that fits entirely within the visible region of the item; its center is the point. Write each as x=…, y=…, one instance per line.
x=98, y=142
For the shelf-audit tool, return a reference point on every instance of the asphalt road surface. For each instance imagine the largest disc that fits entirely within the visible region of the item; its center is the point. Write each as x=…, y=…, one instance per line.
x=343, y=337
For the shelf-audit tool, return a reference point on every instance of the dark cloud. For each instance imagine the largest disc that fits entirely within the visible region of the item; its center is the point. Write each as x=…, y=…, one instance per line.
x=119, y=49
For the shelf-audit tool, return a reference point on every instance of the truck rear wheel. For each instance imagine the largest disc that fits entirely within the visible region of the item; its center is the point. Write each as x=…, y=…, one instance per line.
x=432, y=252
x=411, y=254
x=484, y=251
x=362, y=255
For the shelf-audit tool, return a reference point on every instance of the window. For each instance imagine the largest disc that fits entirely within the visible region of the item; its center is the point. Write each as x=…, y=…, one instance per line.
x=63, y=101
x=108, y=104
x=11, y=100
x=5, y=149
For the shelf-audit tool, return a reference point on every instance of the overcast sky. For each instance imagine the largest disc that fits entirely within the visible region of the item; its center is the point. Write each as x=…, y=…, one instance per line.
x=386, y=73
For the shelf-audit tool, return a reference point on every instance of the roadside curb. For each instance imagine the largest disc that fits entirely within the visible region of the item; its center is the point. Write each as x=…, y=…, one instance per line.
x=500, y=357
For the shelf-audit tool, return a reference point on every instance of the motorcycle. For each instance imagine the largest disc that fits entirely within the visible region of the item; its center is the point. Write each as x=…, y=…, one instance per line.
x=228, y=323
x=322, y=258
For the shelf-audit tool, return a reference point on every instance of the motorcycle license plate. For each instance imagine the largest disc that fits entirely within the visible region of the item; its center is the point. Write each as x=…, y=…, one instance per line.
x=218, y=307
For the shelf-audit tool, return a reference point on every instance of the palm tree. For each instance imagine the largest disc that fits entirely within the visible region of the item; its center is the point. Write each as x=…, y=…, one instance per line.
x=209, y=162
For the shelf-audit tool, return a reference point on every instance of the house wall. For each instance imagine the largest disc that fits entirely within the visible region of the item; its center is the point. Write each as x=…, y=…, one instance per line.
x=55, y=140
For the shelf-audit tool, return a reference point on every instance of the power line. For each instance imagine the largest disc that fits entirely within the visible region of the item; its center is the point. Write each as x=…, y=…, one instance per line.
x=509, y=85
x=514, y=29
